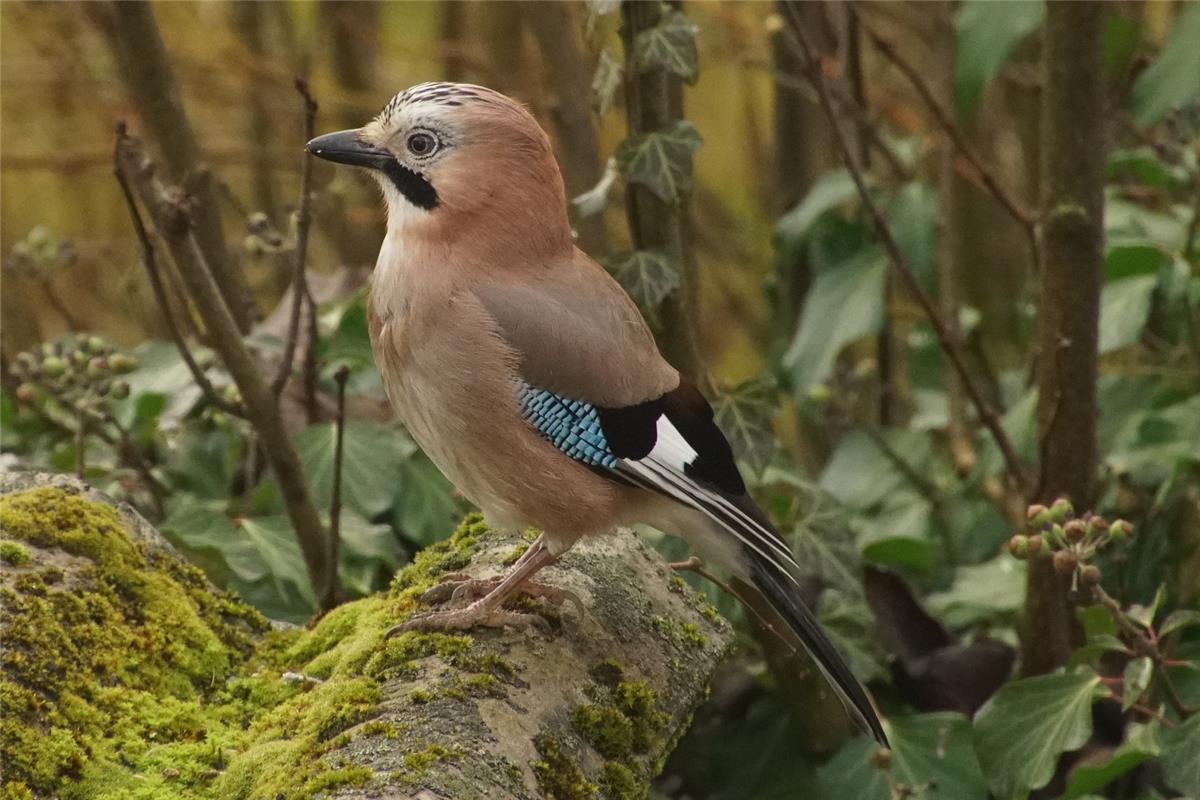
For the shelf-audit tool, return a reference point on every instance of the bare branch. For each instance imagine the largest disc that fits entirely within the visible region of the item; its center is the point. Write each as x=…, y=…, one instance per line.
x=150, y=262
x=987, y=415
x=303, y=220
x=170, y=212
x=948, y=126
x=335, y=501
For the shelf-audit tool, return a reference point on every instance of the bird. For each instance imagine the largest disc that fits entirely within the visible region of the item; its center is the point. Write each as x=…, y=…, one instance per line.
x=527, y=374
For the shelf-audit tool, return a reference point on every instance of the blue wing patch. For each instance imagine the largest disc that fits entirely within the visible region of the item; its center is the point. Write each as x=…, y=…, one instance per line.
x=572, y=426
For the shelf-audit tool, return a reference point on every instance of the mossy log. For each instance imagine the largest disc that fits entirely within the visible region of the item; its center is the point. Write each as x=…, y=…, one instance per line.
x=127, y=675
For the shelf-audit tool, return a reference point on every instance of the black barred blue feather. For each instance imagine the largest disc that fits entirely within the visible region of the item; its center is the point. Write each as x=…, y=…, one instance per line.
x=572, y=426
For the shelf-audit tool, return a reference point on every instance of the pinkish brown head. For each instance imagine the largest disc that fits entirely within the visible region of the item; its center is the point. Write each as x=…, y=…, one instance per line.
x=451, y=157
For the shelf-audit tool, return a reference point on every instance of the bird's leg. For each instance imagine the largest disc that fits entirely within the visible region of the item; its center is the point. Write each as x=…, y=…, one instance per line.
x=488, y=610
x=458, y=587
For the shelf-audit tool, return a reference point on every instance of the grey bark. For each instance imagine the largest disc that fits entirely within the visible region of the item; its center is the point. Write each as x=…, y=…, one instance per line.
x=1073, y=152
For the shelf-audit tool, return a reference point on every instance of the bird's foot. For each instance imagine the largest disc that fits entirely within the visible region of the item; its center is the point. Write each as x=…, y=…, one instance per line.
x=457, y=587
x=478, y=614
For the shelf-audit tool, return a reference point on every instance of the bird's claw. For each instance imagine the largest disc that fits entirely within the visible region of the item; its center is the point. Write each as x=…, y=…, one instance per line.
x=458, y=587
x=475, y=615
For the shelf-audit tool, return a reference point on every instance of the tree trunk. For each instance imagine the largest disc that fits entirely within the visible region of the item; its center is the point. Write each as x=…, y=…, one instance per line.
x=146, y=68
x=654, y=102
x=595, y=701
x=1073, y=151
x=568, y=72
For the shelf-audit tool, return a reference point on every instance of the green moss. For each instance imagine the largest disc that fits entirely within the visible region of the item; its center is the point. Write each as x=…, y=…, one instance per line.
x=136, y=650
x=682, y=633
x=13, y=553
x=423, y=759
x=638, y=702
x=515, y=554
x=558, y=775
x=605, y=728
x=420, y=696
x=617, y=782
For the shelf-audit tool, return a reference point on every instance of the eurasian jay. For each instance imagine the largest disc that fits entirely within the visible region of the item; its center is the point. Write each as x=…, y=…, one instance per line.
x=527, y=374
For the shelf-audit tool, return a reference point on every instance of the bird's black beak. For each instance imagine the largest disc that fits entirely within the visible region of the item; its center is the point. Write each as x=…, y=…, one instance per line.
x=345, y=147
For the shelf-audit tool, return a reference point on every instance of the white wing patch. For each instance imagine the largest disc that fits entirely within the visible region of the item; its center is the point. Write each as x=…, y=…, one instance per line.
x=664, y=470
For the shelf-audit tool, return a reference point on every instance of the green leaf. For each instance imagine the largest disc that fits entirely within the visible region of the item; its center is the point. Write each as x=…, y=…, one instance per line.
x=427, y=507
x=981, y=592
x=649, y=277
x=1181, y=766
x=670, y=45
x=1178, y=620
x=987, y=33
x=369, y=554
x=931, y=755
x=1136, y=681
x=745, y=414
x=1027, y=724
x=848, y=621
x=853, y=773
x=831, y=190
x=1142, y=165
x=1144, y=615
x=822, y=540
x=843, y=305
x=371, y=459
x=1173, y=80
x=1132, y=258
x=936, y=750
x=899, y=534
x=162, y=371
x=606, y=82
x=912, y=216
x=661, y=160
x=1141, y=743
x=595, y=199
x=1124, y=309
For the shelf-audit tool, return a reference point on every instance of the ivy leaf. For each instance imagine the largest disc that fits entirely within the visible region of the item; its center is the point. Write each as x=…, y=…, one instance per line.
x=1022, y=729
x=1137, y=680
x=1173, y=80
x=649, y=277
x=670, y=45
x=1181, y=768
x=852, y=629
x=823, y=542
x=1144, y=615
x=1124, y=309
x=661, y=160
x=744, y=414
x=1178, y=620
x=426, y=507
x=1140, y=744
x=928, y=750
x=995, y=588
x=832, y=189
x=987, y=34
x=844, y=304
x=371, y=459
x=605, y=82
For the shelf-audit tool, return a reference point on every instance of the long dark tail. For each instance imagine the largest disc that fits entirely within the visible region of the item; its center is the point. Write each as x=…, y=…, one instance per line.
x=783, y=595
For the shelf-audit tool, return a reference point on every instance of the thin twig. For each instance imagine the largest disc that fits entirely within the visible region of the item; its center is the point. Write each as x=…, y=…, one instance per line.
x=1027, y=220
x=335, y=500
x=987, y=415
x=1144, y=645
x=303, y=219
x=694, y=564
x=171, y=216
x=150, y=262
x=80, y=443
x=310, y=359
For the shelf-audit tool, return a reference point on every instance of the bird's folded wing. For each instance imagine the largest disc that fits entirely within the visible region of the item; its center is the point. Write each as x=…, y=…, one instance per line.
x=578, y=334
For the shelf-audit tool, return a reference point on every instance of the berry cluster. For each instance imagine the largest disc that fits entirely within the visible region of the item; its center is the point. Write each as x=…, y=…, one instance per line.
x=80, y=373
x=1070, y=541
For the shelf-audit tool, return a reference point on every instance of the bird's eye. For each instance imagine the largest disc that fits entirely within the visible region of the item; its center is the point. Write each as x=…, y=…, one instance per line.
x=422, y=144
